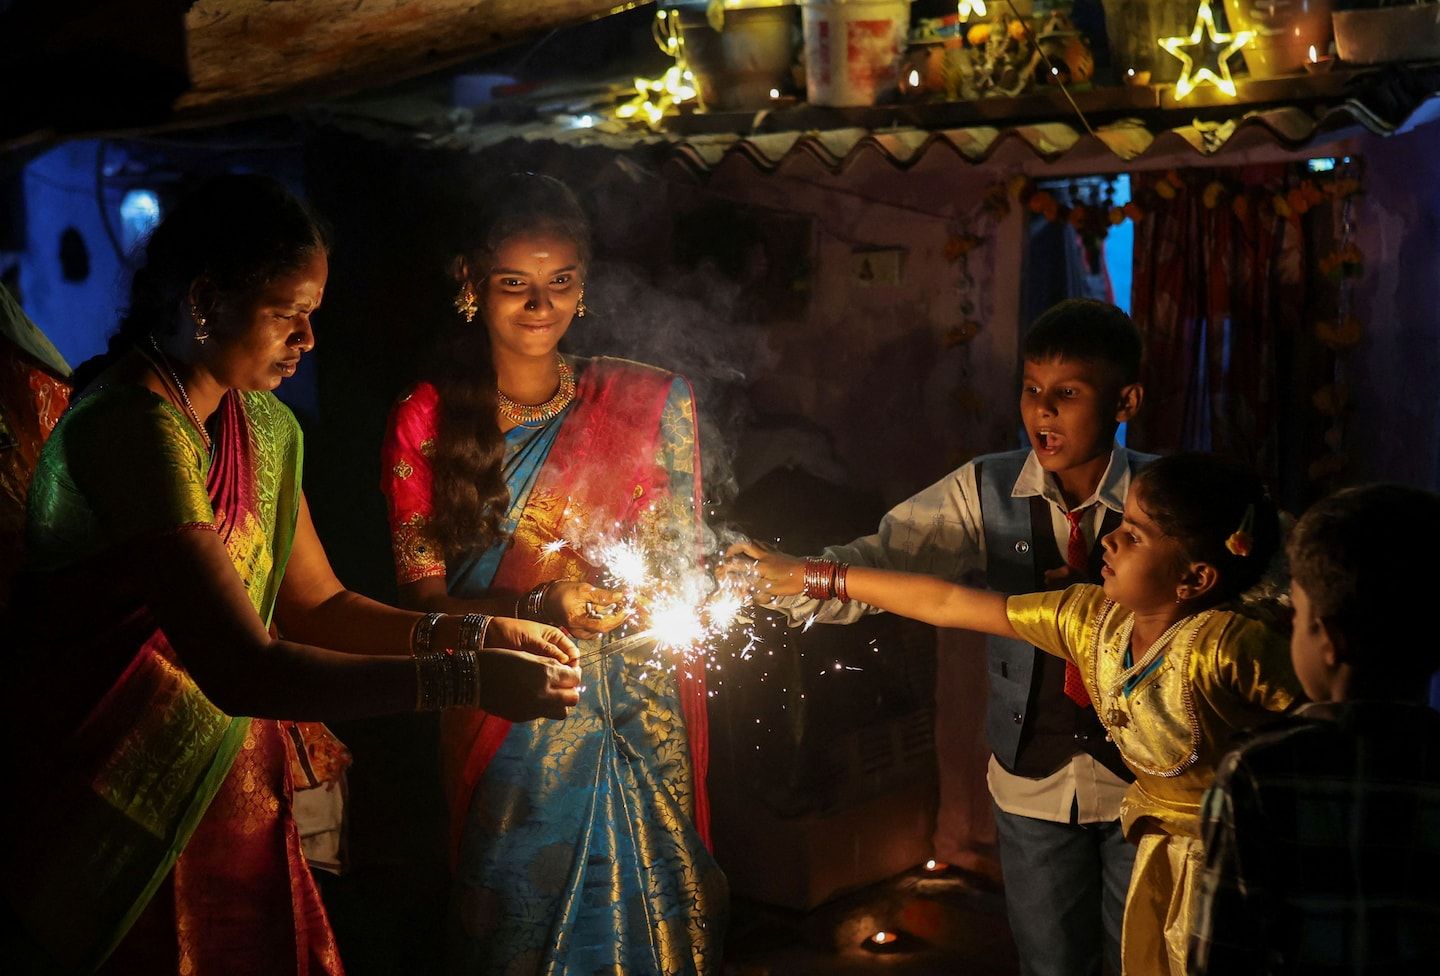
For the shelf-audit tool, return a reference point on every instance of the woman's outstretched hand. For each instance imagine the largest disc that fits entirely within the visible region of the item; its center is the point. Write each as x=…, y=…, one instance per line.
x=527, y=635
x=520, y=686
x=767, y=573
x=584, y=610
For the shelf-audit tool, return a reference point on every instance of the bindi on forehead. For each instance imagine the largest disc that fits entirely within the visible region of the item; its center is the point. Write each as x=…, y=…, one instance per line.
x=539, y=269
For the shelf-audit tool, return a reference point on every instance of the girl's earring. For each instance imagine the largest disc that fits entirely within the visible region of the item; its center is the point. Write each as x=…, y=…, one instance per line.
x=466, y=303
x=202, y=332
x=580, y=308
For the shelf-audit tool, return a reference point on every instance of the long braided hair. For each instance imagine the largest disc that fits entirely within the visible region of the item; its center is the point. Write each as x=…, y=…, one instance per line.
x=468, y=486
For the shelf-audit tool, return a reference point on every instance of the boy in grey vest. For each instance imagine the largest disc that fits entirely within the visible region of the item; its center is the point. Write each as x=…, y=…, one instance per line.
x=1030, y=520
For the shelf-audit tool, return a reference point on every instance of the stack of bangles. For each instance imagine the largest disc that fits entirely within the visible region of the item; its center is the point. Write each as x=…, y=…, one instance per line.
x=531, y=606
x=825, y=579
x=448, y=678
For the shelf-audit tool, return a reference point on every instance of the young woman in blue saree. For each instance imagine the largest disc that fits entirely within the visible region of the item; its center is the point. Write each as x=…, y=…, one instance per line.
x=581, y=847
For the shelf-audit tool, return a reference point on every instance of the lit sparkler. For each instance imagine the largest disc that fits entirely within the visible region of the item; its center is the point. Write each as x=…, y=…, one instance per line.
x=686, y=613
x=676, y=623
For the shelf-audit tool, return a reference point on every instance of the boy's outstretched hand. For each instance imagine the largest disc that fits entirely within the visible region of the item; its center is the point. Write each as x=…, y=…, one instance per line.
x=766, y=573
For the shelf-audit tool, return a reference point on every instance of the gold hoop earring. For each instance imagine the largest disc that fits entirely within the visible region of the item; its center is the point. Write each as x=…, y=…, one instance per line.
x=466, y=303
x=580, y=308
x=201, y=331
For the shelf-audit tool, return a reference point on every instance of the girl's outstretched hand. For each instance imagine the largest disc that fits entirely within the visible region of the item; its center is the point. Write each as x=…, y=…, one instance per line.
x=766, y=573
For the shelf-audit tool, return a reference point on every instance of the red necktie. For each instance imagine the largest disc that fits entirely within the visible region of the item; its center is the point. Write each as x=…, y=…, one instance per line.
x=1077, y=559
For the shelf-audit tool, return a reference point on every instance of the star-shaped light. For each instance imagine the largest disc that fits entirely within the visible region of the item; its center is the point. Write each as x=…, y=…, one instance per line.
x=1213, y=47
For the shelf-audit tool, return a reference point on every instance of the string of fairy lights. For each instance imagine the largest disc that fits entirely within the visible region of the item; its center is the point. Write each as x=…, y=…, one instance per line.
x=655, y=97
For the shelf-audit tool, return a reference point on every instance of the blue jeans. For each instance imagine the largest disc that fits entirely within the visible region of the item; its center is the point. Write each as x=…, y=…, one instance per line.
x=1065, y=888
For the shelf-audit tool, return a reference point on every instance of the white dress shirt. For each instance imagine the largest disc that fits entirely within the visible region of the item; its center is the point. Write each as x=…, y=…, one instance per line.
x=939, y=532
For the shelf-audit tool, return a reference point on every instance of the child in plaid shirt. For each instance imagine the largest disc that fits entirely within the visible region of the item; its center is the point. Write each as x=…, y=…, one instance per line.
x=1322, y=833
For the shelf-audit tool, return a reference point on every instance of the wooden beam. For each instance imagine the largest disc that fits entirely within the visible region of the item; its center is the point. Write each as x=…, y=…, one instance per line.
x=72, y=69
x=254, y=53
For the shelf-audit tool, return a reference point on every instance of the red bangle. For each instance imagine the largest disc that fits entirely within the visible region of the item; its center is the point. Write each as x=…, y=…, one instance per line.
x=842, y=592
x=819, y=578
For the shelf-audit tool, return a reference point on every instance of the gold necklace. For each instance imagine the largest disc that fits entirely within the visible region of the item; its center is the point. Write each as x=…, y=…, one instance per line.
x=527, y=415
x=1127, y=630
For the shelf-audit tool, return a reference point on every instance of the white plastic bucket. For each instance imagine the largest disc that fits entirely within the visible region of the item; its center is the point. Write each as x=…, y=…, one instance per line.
x=852, y=48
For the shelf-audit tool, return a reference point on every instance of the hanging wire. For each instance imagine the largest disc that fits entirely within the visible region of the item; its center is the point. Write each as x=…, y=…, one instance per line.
x=1054, y=71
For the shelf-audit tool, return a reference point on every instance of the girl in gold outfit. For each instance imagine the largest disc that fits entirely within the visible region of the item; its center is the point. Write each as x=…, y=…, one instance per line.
x=1172, y=664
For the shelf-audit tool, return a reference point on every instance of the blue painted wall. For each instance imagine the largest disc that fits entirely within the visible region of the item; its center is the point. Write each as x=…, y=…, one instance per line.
x=61, y=191
x=81, y=185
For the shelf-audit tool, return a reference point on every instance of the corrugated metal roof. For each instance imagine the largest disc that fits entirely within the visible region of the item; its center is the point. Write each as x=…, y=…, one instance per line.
x=1119, y=143
x=575, y=117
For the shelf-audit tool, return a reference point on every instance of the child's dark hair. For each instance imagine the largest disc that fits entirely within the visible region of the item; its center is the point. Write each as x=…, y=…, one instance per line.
x=236, y=232
x=1343, y=553
x=1219, y=511
x=1083, y=328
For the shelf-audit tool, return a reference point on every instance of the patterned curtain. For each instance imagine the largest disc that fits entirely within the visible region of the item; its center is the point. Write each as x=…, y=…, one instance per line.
x=1229, y=298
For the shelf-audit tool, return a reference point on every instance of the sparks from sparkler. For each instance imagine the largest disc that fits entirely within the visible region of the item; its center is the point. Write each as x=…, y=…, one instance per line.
x=553, y=548
x=677, y=623
x=625, y=561
x=686, y=613
x=724, y=608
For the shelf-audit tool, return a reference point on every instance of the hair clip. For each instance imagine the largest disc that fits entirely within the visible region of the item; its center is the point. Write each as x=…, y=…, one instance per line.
x=1241, y=541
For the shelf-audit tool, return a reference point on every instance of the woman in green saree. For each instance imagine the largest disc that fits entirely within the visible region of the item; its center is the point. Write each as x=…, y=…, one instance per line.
x=177, y=616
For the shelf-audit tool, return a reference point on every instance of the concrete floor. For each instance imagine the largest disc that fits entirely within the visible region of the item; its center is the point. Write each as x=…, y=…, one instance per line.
x=949, y=923
x=392, y=921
